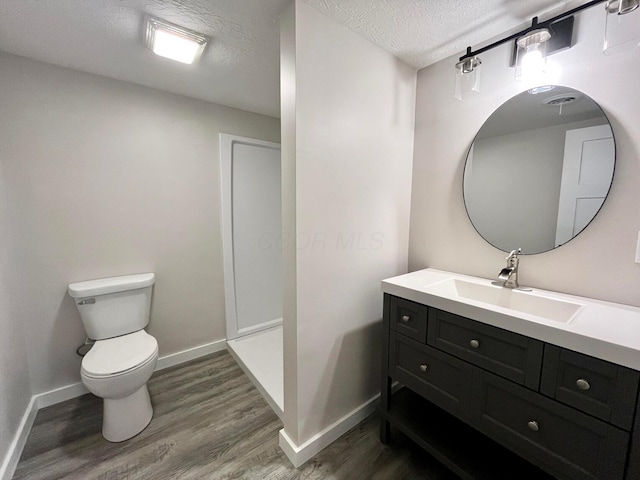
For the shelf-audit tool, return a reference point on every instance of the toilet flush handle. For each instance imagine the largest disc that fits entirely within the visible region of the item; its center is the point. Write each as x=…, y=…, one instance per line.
x=87, y=301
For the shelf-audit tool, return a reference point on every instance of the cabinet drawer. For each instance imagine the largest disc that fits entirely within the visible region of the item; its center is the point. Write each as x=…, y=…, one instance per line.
x=597, y=387
x=409, y=318
x=440, y=378
x=565, y=442
x=507, y=354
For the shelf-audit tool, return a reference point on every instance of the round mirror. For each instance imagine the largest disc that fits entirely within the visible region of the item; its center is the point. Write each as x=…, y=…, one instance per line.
x=539, y=169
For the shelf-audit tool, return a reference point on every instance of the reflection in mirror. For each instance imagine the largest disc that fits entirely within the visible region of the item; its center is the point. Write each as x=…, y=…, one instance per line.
x=539, y=170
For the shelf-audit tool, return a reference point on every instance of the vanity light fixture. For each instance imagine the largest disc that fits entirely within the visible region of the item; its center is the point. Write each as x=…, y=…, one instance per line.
x=533, y=44
x=531, y=52
x=467, y=77
x=620, y=33
x=174, y=42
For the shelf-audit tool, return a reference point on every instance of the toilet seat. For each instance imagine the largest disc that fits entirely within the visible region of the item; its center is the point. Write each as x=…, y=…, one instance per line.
x=119, y=355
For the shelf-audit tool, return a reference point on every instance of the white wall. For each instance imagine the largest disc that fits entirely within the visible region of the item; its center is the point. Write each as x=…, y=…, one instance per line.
x=598, y=263
x=15, y=390
x=288, y=149
x=107, y=178
x=347, y=140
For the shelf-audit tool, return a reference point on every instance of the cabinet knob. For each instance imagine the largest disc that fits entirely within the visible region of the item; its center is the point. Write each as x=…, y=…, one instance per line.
x=533, y=425
x=474, y=343
x=406, y=318
x=582, y=384
x=423, y=367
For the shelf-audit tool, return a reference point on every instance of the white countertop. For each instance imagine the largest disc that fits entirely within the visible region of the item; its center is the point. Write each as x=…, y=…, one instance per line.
x=605, y=330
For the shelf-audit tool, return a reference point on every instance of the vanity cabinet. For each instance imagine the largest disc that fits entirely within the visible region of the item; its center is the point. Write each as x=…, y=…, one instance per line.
x=602, y=389
x=444, y=380
x=508, y=354
x=493, y=404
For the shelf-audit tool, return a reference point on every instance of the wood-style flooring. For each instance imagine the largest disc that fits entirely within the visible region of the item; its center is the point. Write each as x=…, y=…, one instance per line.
x=209, y=423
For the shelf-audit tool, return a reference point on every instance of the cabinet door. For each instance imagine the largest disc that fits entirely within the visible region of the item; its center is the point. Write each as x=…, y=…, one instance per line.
x=507, y=354
x=597, y=387
x=438, y=377
x=559, y=439
x=409, y=318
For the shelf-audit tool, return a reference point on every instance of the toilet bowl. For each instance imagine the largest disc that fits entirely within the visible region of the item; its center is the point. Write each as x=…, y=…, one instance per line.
x=114, y=312
x=117, y=370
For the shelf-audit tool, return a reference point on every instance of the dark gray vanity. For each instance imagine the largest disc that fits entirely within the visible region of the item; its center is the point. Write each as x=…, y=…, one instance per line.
x=493, y=404
x=500, y=383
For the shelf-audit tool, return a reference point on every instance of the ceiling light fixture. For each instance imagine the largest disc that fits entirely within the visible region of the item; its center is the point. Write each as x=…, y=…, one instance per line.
x=533, y=44
x=172, y=41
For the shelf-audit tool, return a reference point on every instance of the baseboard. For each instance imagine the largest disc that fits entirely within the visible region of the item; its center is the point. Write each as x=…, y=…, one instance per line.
x=298, y=455
x=190, y=354
x=59, y=395
x=12, y=457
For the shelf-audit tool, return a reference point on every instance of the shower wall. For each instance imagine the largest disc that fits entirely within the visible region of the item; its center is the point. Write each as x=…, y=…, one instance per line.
x=257, y=238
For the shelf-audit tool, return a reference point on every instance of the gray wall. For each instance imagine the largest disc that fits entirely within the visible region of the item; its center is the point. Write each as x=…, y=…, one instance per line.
x=15, y=390
x=599, y=263
x=347, y=116
x=107, y=178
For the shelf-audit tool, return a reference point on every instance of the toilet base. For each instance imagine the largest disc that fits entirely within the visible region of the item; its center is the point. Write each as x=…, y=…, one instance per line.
x=126, y=417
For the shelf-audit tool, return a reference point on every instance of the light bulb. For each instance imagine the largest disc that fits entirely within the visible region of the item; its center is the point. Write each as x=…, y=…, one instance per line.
x=533, y=62
x=175, y=47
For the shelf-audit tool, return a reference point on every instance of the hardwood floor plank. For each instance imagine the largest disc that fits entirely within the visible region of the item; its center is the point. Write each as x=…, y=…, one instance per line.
x=209, y=423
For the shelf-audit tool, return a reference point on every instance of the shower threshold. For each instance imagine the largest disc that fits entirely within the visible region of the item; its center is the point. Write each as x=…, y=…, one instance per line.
x=260, y=355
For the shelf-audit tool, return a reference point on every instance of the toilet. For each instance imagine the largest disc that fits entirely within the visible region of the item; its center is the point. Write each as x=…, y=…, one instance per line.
x=115, y=312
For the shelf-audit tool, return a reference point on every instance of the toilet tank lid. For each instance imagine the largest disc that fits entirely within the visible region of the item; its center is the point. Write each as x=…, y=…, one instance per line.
x=104, y=286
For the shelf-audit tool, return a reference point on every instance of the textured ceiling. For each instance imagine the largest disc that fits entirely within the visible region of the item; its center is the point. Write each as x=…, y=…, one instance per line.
x=422, y=32
x=241, y=66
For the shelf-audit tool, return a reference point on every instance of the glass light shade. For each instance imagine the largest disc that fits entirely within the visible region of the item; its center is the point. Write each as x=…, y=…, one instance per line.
x=622, y=28
x=467, y=77
x=174, y=42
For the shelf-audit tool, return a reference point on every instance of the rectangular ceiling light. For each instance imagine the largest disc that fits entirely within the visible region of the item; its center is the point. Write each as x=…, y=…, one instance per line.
x=174, y=42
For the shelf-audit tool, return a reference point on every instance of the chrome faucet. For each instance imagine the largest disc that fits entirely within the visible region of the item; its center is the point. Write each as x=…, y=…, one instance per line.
x=509, y=274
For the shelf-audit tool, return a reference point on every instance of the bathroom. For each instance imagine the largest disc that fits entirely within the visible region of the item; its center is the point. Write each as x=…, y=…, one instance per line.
x=92, y=188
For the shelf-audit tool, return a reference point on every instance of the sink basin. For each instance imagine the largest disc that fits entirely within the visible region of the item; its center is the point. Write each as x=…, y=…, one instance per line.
x=497, y=296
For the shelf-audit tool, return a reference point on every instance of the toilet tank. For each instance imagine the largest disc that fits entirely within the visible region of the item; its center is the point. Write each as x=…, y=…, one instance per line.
x=110, y=307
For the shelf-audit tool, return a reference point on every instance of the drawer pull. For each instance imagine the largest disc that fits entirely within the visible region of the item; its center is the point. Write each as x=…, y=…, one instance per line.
x=474, y=343
x=424, y=368
x=533, y=425
x=582, y=384
x=406, y=318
